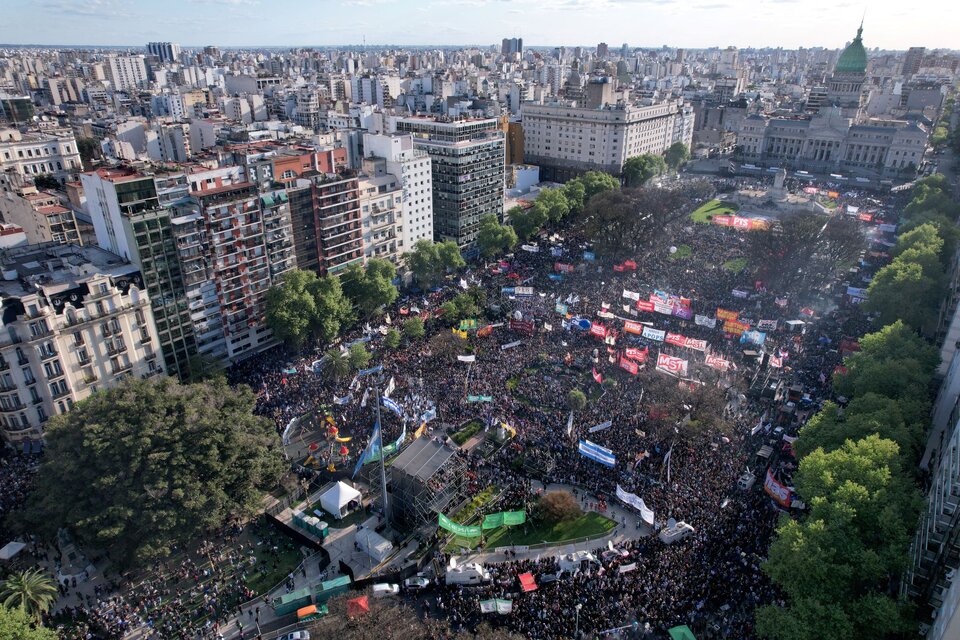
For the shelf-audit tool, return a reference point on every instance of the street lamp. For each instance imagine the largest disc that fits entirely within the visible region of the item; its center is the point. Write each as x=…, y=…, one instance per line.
x=576, y=631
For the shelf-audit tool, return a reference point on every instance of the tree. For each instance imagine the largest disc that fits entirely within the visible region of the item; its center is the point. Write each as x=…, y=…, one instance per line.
x=676, y=155
x=527, y=222
x=16, y=624
x=336, y=364
x=88, y=150
x=392, y=339
x=576, y=195
x=305, y=306
x=413, y=329
x=946, y=229
x=359, y=356
x=32, y=591
x=924, y=236
x=151, y=464
x=555, y=203
x=558, y=506
x=461, y=307
x=595, y=182
x=494, y=238
x=638, y=170
x=46, y=181
x=576, y=400
x=370, y=288
x=430, y=261
x=909, y=288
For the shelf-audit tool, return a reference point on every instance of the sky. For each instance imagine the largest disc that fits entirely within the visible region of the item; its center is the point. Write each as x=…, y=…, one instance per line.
x=889, y=24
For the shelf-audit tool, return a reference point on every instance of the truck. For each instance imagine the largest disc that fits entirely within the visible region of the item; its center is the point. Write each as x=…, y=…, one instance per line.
x=676, y=532
x=467, y=574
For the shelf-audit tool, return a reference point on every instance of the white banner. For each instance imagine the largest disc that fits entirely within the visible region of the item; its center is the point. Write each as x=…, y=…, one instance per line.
x=654, y=334
x=488, y=606
x=390, y=387
x=767, y=325
x=627, y=568
x=665, y=309
x=600, y=427
x=637, y=503
x=631, y=295
x=467, y=358
x=704, y=321
x=672, y=366
x=510, y=345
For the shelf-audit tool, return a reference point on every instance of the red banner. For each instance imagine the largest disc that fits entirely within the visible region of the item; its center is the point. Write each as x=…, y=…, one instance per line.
x=521, y=325
x=632, y=327
x=618, y=268
x=598, y=330
x=562, y=268
x=629, y=365
x=673, y=366
x=736, y=328
x=717, y=362
x=483, y=332
x=675, y=339
x=630, y=264
x=640, y=355
x=779, y=492
x=596, y=376
x=643, y=305
x=723, y=314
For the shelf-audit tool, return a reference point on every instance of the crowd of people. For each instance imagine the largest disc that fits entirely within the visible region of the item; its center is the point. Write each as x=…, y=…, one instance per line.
x=711, y=581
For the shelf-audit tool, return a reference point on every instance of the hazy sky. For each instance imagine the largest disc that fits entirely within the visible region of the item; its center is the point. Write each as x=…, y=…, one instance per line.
x=890, y=24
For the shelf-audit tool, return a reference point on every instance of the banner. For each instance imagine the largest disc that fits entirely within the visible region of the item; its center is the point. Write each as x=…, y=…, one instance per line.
x=675, y=339
x=740, y=293
x=734, y=327
x=522, y=326
x=857, y=292
x=504, y=606
x=685, y=313
x=643, y=305
x=532, y=248
x=555, y=277
x=366, y=372
x=632, y=327
x=654, y=334
x=368, y=450
x=589, y=256
x=479, y=398
x=388, y=449
x=428, y=415
x=393, y=406
x=556, y=252
x=390, y=387
x=753, y=337
x=672, y=366
x=717, y=362
x=780, y=302
x=637, y=503
x=493, y=521
x=523, y=291
x=627, y=568
x=665, y=309
x=775, y=362
x=629, y=365
x=460, y=334
x=597, y=453
x=468, y=325
x=723, y=314
x=561, y=308
x=467, y=358
x=631, y=295
x=504, y=518
x=511, y=345
x=767, y=325
x=779, y=492
x=638, y=355
x=344, y=400
x=598, y=330
x=696, y=345
x=704, y=321
x=560, y=267
x=570, y=419
x=596, y=376
x=488, y=606
x=459, y=529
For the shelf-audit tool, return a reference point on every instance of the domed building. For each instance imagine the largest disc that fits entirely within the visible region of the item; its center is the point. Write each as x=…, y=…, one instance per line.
x=845, y=87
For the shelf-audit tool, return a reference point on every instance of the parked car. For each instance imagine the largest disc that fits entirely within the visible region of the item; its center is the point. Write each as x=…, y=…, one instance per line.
x=416, y=583
x=384, y=589
x=296, y=635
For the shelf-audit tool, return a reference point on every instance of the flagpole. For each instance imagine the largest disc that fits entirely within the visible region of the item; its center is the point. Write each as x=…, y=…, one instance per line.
x=383, y=470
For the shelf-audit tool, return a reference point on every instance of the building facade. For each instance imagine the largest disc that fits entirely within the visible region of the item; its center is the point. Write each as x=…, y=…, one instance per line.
x=566, y=140
x=34, y=153
x=76, y=320
x=41, y=215
x=467, y=166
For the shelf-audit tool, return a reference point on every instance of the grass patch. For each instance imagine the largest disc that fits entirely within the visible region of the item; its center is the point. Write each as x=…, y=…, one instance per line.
x=736, y=265
x=466, y=514
x=682, y=253
x=278, y=566
x=467, y=432
x=513, y=383
x=713, y=208
x=589, y=524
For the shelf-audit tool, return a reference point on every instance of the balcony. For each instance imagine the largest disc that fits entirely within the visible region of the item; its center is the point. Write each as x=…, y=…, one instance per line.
x=11, y=407
x=4, y=365
x=114, y=350
x=121, y=369
x=61, y=394
x=145, y=337
x=7, y=386
x=46, y=355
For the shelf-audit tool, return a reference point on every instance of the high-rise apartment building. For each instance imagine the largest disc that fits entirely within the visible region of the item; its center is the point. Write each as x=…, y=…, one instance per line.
x=603, y=50
x=912, y=61
x=166, y=51
x=76, y=320
x=132, y=218
x=467, y=163
x=381, y=211
x=126, y=72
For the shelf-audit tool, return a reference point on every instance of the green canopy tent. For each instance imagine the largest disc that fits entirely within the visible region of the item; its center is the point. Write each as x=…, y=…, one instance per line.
x=681, y=633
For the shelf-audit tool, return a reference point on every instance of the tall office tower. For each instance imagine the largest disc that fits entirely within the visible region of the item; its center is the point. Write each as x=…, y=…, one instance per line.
x=511, y=45
x=126, y=72
x=76, y=320
x=130, y=221
x=912, y=60
x=467, y=166
x=166, y=51
x=603, y=50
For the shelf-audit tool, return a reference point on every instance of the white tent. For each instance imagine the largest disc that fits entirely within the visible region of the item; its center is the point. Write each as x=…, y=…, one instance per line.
x=11, y=549
x=373, y=544
x=336, y=500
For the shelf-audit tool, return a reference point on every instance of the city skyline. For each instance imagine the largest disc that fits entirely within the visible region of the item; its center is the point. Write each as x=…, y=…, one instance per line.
x=257, y=23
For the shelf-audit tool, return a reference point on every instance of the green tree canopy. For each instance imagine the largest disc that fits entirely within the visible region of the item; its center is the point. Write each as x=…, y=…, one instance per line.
x=638, y=170
x=413, y=329
x=556, y=204
x=370, y=288
x=576, y=400
x=924, y=236
x=595, y=182
x=527, y=222
x=336, y=364
x=359, y=356
x=154, y=463
x=461, y=307
x=392, y=339
x=576, y=195
x=16, y=624
x=431, y=261
x=305, y=306
x=946, y=229
x=31, y=591
x=676, y=155
x=494, y=238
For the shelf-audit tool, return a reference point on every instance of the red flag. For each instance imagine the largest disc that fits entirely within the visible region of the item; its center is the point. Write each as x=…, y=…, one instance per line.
x=629, y=365
x=639, y=355
x=597, y=376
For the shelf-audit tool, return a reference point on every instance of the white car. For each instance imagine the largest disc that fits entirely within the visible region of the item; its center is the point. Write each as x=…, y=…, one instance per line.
x=296, y=635
x=416, y=583
x=385, y=589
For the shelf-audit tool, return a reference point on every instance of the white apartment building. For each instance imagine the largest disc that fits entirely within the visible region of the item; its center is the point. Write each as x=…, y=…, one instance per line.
x=168, y=104
x=381, y=214
x=34, y=153
x=565, y=140
x=413, y=168
x=126, y=72
x=75, y=320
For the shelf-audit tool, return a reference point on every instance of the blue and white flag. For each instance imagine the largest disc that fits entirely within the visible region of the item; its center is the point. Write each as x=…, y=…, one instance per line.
x=344, y=400
x=372, y=447
x=597, y=453
x=366, y=372
x=393, y=406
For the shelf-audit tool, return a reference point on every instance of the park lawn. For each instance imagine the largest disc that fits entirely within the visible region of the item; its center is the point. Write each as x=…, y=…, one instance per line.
x=466, y=514
x=736, y=265
x=287, y=559
x=713, y=208
x=589, y=524
x=467, y=432
x=683, y=252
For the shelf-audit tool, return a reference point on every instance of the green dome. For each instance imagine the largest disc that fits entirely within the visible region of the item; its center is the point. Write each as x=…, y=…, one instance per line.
x=854, y=57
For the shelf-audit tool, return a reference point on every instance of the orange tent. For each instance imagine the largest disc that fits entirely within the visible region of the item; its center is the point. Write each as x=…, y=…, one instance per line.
x=358, y=606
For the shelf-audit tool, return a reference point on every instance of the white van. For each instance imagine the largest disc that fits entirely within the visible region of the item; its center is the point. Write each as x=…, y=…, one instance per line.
x=383, y=590
x=676, y=533
x=467, y=574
